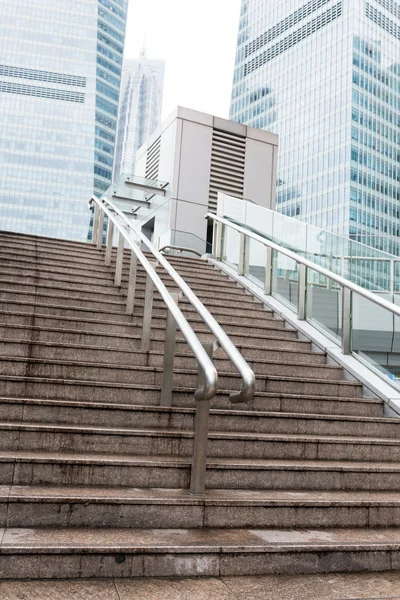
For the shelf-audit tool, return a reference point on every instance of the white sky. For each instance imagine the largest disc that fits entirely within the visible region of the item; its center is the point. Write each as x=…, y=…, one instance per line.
x=197, y=40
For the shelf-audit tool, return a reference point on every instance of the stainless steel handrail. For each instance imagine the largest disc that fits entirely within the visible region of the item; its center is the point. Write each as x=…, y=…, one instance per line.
x=348, y=287
x=208, y=376
x=344, y=283
x=248, y=378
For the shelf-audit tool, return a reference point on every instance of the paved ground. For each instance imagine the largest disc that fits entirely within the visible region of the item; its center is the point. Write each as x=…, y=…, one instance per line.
x=380, y=586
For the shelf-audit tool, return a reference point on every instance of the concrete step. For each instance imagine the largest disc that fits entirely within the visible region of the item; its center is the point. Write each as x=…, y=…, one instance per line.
x=117, y=553
x=179, y=418
x=101, y=334
x=131, y=393
x=275, y=362
x=95, y=507
x=107, y=396
x=55, y=437
x=182, y=377
x=63, y=298
x=65, y=322
x=35, y=467
x=54, y=288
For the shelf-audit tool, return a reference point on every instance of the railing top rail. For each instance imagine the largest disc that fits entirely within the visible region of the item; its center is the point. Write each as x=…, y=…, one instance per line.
x=344, y=283
x=180, y=248
x=248, y=378
x=210, y=374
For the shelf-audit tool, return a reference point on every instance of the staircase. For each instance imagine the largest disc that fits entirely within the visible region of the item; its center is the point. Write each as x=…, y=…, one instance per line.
x=95, y=475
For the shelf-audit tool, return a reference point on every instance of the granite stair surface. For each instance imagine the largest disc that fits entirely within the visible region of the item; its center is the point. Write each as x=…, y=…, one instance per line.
x=94, y=474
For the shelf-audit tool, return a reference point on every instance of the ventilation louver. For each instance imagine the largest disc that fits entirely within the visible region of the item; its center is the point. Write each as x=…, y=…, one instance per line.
x=227, y=166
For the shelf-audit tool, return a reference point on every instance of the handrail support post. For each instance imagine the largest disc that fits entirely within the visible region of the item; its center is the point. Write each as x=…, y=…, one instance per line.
x=242, y=249
x=169, y=356
x=95, y=223
x=302, y=301
x=347, y=318
x=199, y=461
x=130, y=301
x=147, y=311
x=110, y=235
x=119, y=261
x=100, y=230
x=268, y=272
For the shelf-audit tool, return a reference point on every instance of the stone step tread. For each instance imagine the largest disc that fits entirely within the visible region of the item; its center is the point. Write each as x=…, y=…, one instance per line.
x=188, y=434
x=177, y=371
x=116, y=300
x=161, y=353
x=194, y=541
x=132, y=386
x=226, y=463
x=136, y=320
x=182, y=497
x=185, y=306
x=61, y=330
x=130, y=367
x=95, y=406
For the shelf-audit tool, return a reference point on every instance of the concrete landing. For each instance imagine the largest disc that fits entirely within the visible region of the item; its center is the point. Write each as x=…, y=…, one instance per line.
x=379, y=586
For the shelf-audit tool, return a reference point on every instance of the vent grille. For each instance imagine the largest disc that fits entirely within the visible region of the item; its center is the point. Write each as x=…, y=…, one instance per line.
x=390, y=6
x=153, y=160
x=227, y=166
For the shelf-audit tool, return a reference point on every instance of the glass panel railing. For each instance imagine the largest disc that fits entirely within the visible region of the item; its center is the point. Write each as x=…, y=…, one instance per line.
x=285, y=280
x=255, y=262
x=324, y=304
x=370, y=268
x=376, y=336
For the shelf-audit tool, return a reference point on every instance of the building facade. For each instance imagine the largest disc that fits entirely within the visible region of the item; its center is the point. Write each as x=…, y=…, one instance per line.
x=60, y=67
x=140, y=109
x=325, y=76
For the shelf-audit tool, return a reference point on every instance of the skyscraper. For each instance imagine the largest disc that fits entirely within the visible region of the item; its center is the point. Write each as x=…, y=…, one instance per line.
x=60, y=68
x=325, y=76
x=140, y=109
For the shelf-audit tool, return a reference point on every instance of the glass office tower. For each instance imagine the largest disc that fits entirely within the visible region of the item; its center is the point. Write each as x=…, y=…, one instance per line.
x=60, y=68
x=140, y=108
x=325, y=76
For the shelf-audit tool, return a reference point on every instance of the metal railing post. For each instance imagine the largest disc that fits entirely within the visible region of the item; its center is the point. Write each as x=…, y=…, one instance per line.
x=391, y=282
x=119, y=261
x=346, y=320
x=147, y=311
x=268, y=272
x=95, y=223
x=169, y=356
x=218, y=242
x=100, y=230
x=110, y=235
x=241, y=262
x=199, y=461
x=130, y=301
x=302, y=302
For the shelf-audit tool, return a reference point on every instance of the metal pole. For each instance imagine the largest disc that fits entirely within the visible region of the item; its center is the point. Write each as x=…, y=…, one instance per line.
x=120, y=258
x=391, y=283
x=199, y=461
x=346, y=320
x=147, y=312
x=268, y=272
x=100, y=230
x=302, y=306
x=241, y=254
x=95, y=223
x=218, y=250
x=110, y=234
x=169, y=356
x=130, y=301
x=214, y=240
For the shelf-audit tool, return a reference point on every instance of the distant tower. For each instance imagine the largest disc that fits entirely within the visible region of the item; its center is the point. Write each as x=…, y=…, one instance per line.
x=140, y=108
